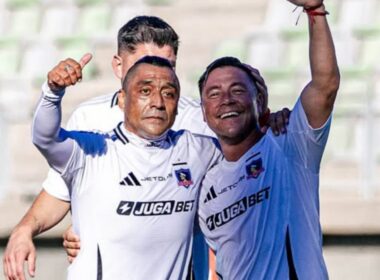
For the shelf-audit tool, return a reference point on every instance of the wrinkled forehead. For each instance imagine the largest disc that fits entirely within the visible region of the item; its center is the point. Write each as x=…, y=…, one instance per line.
x=152, y=73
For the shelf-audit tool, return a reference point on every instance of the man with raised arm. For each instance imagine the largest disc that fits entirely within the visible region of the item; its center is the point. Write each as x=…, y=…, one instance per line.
x=259, y=207
x=143, y=35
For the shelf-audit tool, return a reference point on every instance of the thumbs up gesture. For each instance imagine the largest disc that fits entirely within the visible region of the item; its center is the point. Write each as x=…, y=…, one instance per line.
x=67, y=73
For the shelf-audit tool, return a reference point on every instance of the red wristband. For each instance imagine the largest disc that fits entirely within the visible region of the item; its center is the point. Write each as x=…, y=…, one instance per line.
x=312, y=13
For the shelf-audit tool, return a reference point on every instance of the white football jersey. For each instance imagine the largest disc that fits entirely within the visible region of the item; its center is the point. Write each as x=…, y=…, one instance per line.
x=102, y=114
x=134, y=206
x=248, y=208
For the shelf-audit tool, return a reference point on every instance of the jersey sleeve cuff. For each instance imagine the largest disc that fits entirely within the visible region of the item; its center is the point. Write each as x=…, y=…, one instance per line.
x=46, y=91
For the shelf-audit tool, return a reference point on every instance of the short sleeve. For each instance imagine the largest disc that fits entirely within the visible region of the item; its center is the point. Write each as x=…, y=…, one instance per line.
x=302, y=143
x=56, y=186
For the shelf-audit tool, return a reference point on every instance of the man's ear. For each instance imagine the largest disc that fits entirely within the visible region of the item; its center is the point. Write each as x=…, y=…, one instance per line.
x=262, y=103
x=117, y=66
x=121, y=99
x=264, y=111
x=264, y=118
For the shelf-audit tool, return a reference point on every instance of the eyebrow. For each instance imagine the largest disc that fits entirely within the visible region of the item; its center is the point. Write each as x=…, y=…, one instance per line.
x=239, y=84
x=173, y=85
x=213, y=87
x=232, y=85
x=148, y=82
x=144, y=82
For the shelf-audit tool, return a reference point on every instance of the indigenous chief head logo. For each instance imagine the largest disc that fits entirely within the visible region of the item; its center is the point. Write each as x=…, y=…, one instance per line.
x=254, y=168
x=183, y=177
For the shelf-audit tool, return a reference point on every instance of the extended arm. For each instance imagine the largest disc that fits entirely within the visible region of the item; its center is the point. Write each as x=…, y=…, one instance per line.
x=46, y=130
x=319, y=94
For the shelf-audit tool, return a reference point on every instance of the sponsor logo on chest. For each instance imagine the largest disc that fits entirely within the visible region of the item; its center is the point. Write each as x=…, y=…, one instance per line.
x=154, y=208
x=237, y=209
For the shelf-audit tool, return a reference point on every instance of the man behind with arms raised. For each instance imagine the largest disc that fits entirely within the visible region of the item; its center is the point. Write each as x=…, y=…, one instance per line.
x=259, y=207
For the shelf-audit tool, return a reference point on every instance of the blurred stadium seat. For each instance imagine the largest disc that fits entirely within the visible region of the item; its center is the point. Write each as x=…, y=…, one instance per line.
x=58, y=20
x=15, y=99
x=31, y=66
x=24, y=18
x=94, y=20
x=236, y=48
x=277, y=15
x=295, y=48
x=10, y=57
x=264, y=46
x=282, y=88
x=75, y=47
x=121, y=13
x=356, y=13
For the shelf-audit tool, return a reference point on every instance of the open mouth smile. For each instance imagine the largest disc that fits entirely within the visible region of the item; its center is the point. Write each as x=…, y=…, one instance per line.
x=229, y=115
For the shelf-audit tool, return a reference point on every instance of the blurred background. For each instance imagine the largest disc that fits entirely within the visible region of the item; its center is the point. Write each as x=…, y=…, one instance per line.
x=36, y=34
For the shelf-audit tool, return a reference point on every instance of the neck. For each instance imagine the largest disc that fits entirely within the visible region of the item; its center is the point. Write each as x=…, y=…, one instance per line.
x=146, y=136
x=234, y=150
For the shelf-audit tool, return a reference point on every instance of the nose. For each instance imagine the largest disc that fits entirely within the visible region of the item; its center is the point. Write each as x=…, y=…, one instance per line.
x=157, y=101
x=227, y=97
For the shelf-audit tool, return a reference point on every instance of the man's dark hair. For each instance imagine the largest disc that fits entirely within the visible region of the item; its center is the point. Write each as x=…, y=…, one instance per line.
x=152, y=60
x=221, y=62
x=146, y=29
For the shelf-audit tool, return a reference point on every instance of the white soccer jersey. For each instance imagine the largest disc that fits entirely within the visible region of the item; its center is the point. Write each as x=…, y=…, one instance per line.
x=102, y=114
x=134, y=207
x=248, y=207
x=98, y=114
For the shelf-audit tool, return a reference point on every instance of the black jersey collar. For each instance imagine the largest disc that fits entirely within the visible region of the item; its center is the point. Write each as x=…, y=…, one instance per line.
x=115, y=99
x=127, y=137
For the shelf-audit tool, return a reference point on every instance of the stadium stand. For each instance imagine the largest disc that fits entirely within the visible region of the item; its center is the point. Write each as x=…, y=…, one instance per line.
x=35, y=34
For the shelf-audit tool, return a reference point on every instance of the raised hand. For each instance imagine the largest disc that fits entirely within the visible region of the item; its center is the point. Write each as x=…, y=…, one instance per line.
x=307, y=4
x=67, y=73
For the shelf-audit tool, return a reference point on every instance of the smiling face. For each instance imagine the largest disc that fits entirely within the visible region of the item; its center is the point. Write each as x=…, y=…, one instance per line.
x=229, y=104
x=150, y=98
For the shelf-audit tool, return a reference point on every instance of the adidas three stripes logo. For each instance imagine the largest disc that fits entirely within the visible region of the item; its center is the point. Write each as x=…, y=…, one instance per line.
x=130, y=180
x=210, y=195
